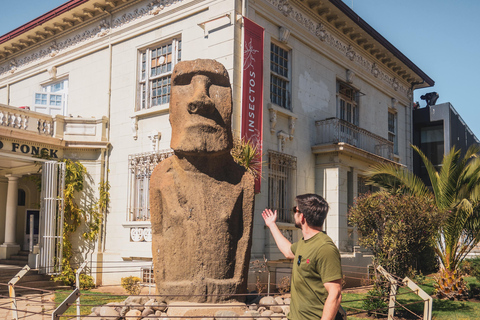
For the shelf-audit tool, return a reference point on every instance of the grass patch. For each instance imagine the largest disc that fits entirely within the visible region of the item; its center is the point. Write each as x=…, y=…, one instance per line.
x=87, y=301
x=442, y=309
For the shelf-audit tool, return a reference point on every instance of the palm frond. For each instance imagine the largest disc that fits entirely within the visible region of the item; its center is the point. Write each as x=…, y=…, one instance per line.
x=394, y=179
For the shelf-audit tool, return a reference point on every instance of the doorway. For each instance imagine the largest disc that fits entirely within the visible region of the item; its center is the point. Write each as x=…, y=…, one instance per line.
x=35, y=215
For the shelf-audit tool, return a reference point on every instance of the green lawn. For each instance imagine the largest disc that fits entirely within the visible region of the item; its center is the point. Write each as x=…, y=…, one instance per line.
x=442, y=309
x=93, y=298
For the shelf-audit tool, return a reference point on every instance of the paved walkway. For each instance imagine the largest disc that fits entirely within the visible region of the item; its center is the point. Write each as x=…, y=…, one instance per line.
x=29, y=306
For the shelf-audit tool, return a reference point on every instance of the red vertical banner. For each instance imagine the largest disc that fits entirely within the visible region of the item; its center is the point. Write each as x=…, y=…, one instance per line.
x=252, y=88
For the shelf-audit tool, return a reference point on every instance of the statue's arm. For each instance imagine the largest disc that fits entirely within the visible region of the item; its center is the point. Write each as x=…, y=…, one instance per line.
x=245, y=243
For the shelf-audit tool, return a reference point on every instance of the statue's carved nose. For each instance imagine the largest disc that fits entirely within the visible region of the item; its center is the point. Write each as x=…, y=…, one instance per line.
x=200, y=103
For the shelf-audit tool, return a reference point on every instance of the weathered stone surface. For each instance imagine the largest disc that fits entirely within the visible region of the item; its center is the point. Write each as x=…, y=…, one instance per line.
x=147, y=311
x=124, y=311
x=107, y=312
x=286, y=301
x=136, y=302
x=285, y=309
x=157, y=306
x=279, y=300
x=192, y=309
x=267, y=313
x=253, y=306
x=226, y=315
x=201, y=201
x=267, y=301
x=133, y=315
x=252, y=313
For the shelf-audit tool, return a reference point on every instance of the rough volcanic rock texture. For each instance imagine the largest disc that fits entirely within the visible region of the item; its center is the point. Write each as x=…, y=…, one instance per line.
x=201, y=201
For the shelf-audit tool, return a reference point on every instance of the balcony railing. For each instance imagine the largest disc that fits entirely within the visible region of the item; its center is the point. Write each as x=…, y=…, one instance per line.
x=25, y=120
x=79, y=131
x=335, y=130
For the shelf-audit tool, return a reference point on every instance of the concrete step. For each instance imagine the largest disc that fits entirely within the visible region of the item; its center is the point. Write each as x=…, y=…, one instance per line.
x=13, y=262
x=19, y=257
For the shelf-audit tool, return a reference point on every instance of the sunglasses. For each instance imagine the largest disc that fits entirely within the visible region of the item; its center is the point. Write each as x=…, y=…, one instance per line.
x=295, y=210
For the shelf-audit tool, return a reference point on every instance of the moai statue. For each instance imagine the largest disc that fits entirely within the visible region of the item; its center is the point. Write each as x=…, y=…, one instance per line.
x=201, y=201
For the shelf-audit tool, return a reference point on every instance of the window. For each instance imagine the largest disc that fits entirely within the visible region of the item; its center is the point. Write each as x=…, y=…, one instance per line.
x=156, y=66
x=363, y=187
x=392, y=130
x=280, y=181
x=279, y=76
x=52, y=99
x=140, y=168
x=347, y=101
x=432, y=144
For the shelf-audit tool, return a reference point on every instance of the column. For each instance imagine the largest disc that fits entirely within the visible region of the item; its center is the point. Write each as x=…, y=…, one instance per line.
x=10, y=247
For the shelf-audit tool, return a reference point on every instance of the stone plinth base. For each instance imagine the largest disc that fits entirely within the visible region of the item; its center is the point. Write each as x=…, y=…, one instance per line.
x=206, y=310
x=7, y=250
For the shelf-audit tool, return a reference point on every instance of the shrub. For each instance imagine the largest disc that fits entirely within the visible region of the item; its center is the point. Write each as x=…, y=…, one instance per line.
x=86, y=282
x=131, y=284
x=471, y=267
x=397, y=228
x=376, y=301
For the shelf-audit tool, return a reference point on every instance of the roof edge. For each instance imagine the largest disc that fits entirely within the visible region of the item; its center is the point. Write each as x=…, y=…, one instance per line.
x=378, y=37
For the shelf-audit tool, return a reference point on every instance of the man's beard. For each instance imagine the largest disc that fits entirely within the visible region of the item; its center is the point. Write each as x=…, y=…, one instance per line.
x=298, y=225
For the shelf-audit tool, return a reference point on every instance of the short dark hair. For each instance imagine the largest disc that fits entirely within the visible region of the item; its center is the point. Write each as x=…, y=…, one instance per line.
x=313, y=207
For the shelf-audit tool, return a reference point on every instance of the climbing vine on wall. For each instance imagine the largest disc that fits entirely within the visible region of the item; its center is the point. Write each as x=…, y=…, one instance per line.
x=74, y=215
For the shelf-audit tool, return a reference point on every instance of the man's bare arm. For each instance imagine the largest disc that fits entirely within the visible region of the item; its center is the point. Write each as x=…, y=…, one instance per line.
x=330, y=309
x=283, y=244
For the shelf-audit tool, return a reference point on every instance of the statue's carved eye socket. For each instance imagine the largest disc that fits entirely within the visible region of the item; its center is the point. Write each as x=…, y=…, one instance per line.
x=183, y=79
x=215, y=79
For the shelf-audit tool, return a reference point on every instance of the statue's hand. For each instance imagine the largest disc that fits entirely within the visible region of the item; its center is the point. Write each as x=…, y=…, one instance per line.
x=270, y=217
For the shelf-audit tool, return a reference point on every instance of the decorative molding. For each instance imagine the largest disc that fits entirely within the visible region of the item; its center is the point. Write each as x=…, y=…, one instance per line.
x=282, y=138
x=100, y=29
x=140, y=234
x=350, y=76
x=320, y=31
x=291, y=126
x=284, y=34
x=52, y=72
x=155, y=137
x=394, y=103
x=273, y=119
x=134, y=127
x=287, y=233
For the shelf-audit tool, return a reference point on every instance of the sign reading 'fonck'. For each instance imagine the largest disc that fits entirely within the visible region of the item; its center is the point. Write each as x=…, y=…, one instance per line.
x=29, y=149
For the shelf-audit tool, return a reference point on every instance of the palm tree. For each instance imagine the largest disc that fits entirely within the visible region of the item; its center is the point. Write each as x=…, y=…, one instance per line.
x=456, y=188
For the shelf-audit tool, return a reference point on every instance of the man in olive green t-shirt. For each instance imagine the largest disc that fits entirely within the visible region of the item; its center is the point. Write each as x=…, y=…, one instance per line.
x=317, y=273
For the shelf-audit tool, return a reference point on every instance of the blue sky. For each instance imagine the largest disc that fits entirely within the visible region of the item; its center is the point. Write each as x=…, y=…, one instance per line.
x=439, y=36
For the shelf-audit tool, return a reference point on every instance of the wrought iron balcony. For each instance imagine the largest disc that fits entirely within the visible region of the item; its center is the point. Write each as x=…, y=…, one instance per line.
x=334, y=131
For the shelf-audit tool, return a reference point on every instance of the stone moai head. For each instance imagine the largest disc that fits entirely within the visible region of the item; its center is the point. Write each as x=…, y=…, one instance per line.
x=201, y=108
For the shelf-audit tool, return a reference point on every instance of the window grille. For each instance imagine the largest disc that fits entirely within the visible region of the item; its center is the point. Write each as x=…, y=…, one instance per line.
x=141, y=166
x=280, y=184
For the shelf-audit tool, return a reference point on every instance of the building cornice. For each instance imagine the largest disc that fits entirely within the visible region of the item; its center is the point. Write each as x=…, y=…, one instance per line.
x=336, y=25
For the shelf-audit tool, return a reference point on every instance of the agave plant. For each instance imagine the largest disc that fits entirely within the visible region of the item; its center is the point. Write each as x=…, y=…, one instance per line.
x=247, y=154
x=456, y=188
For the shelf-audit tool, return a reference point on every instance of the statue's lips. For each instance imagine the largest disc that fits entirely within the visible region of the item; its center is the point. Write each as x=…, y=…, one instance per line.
x=203, y=124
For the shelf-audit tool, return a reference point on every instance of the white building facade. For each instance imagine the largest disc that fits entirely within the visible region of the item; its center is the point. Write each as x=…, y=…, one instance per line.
x=337, y=99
